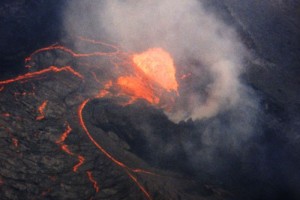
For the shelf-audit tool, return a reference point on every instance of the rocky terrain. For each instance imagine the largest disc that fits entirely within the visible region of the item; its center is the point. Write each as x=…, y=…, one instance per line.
x=47, y=155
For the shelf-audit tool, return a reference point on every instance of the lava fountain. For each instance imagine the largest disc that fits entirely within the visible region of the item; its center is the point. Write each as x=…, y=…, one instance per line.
x=158, y=65
x=154, y=76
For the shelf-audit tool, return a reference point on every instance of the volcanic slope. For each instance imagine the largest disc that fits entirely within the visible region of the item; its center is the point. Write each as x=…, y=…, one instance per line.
x=51, y=147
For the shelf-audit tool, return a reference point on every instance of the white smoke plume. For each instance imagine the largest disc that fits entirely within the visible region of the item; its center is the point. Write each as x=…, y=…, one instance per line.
x=200, y=44
x=190, y=33
x=228, y=120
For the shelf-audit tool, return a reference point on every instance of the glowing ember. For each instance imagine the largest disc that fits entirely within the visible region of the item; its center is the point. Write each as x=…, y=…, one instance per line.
x=41, y=110
x=147, y=195
x=81, y=160
x=158, y=65
x=65, y=134
x=144, y=172
x=92, y=179
x=137, y=88
x=62, y=48
x=66, y=149
x=15, y=142
x=62, y=138
x=104, y=92
x=6, y=114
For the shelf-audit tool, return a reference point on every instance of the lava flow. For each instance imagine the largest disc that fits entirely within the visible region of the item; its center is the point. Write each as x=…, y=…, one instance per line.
x=81, y=159
x=62, y=138
x=66, y=149
x=41, y=110
x=108, y=155
x=92, y=179
x=151, y=74
x=31, y=75
x=137, y=89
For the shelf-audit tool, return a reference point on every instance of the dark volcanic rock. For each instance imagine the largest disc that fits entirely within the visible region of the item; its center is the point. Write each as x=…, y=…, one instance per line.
x=143, y=130
x=36, y=163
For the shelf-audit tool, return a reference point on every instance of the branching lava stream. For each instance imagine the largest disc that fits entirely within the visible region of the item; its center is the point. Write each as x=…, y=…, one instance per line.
x=153, y=73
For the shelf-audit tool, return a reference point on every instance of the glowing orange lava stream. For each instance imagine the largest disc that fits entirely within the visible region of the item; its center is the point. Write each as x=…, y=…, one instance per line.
x=31, y=75
x=62, y=138
x=91, y=178
x=116, y=48
x=81, y=160
x=65, y=49
x=65, y=134
x=108, y=155
x=66, y=149
x=41, y=110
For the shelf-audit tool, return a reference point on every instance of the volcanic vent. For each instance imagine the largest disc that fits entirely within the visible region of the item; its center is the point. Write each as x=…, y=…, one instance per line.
x=61, y=135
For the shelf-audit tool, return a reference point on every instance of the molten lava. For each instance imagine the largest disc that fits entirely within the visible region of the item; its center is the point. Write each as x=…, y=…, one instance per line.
x=153, y=72
x=66, y=149
x=41, y=110
x=31, y=75
x=158, y=65
x=62, y=138
x=65, y=134
x=81, y=160
x=92, y=179
x=108, y=155
x=136, y=88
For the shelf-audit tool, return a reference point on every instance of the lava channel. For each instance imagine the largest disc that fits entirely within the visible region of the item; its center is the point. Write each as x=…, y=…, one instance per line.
x=153, y=74
x=108, y=155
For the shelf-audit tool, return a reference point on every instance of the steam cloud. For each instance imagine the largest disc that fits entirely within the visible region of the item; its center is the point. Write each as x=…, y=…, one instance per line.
x=201, y=45
x=186, y=30
x=225, y=134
